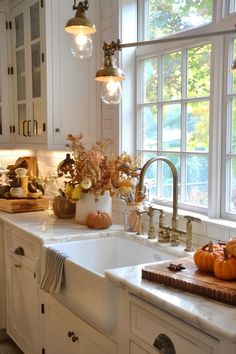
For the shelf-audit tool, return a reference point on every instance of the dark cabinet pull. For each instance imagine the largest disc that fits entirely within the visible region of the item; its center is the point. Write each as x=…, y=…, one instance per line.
x=24, y=123
x=70, y=334
x=28, y=128
x=164, y=344
x=20, y=251
x=75, y=339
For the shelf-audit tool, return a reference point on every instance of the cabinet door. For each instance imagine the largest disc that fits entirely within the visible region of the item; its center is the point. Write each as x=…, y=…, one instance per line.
x=64, y=333
x=22, y=306
x=71, y=87
x=26, y=22
x=4, y=85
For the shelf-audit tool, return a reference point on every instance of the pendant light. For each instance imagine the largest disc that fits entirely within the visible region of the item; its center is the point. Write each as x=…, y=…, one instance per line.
x=110, y=75
x=81, y=29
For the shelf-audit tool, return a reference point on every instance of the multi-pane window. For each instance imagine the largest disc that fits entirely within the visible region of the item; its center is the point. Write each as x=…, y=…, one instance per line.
x=173, y=119
x=186, y=104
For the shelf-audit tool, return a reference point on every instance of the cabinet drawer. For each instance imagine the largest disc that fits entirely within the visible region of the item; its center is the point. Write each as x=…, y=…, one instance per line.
x=19, y=246
x=154, y=326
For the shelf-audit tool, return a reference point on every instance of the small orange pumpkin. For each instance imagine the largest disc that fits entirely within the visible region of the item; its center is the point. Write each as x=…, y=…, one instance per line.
x=205, y=256
x=225, y=266
x=231, y=247
x=98, y=220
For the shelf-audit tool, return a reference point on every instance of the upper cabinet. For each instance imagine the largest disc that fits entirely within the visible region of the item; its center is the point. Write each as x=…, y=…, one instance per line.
x=27, y=62
x=71, y=87
x=5, y=114
x=54, y=93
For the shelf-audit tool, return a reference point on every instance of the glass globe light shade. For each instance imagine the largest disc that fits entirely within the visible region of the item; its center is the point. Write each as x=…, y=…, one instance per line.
x=82, y=46
x=111, y=92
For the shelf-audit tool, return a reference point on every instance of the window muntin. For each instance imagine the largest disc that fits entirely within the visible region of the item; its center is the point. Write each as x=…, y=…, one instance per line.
x=176, y=125
x=230, y=155
x=166, y=17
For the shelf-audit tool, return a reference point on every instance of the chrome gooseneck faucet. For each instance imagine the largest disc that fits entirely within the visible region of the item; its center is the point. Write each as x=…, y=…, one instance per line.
x=172, y=231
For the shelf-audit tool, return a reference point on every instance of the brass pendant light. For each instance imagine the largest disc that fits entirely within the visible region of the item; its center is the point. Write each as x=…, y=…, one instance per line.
x=110, y=75
x=81, y=27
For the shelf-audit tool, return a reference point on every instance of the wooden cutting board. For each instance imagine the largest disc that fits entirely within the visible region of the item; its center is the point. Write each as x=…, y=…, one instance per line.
x=23, y=205
x=191, y=280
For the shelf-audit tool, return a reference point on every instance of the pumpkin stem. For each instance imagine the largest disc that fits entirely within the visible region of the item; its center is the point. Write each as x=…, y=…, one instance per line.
x=209, y=245
x=226, y=255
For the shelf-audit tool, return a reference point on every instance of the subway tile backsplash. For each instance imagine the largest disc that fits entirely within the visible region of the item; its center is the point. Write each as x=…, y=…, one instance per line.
x=208, y=229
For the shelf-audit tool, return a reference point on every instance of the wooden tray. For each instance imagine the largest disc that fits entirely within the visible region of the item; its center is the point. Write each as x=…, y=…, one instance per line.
x=23, y=205
x=191, y=280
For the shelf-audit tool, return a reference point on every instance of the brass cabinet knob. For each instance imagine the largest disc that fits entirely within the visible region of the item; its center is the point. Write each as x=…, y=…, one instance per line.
x=19, y=251
x=164, y=344
x=18, y=265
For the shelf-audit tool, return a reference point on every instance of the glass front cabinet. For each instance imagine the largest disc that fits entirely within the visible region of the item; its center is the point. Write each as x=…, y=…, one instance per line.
x=28, y=60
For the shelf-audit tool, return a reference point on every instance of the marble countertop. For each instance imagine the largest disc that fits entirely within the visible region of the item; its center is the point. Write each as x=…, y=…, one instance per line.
x=210, y=316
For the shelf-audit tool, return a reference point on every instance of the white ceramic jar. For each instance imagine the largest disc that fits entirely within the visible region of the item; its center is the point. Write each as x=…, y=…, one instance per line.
x=88, y=203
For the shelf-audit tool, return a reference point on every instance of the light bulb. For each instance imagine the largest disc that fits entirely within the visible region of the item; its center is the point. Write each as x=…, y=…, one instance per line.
x=82, y=46
x=111, y=92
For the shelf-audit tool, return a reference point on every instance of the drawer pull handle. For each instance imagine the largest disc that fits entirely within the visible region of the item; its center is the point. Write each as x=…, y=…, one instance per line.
x=164, y=344
x=70, y=334
x=20, y=251
x=18, y=265
x=75, y=339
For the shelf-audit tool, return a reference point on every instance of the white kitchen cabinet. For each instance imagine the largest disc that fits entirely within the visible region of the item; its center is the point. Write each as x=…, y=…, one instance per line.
x=5, y=81
x=64, y=333
x=54, y=92
x=72, y=103
x=22, y=290
x=152, y=330
x=27, y=23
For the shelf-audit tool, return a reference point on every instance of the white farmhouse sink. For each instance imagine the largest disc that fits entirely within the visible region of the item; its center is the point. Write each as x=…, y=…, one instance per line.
x=86, y=290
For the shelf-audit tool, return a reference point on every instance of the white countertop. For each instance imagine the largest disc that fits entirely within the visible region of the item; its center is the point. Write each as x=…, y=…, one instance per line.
x=210, y=316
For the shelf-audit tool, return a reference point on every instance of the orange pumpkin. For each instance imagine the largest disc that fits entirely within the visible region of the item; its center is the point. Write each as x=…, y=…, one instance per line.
x=205, y=256
x=231, y=247
x=225, y=267
x=98, y=220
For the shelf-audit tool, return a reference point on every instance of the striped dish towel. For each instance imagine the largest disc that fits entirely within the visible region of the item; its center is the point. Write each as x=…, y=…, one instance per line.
x=53, y=273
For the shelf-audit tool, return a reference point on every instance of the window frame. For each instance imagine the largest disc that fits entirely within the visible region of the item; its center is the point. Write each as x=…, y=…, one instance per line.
x=217, y=126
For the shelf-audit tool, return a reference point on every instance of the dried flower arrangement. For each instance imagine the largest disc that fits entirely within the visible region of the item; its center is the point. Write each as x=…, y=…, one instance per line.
x=96, y=171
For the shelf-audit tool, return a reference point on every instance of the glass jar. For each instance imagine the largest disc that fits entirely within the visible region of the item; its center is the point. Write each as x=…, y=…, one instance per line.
x=132, y=216
x=21, y=173
x=51, y=189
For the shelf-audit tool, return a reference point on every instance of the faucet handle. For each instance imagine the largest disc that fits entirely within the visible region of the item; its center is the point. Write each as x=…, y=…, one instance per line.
x=189, y=218
x=192, y=218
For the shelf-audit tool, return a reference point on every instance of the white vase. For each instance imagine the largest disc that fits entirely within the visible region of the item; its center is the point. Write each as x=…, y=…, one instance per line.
x=89, y=203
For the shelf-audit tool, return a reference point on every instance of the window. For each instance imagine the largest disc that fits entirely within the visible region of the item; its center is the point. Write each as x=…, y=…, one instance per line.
x=165, y=17
x=185, y=91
